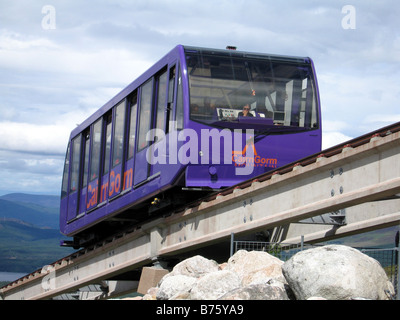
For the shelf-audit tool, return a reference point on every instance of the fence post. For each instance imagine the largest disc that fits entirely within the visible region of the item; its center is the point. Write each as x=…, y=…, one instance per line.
x=232, y=242
x=302, y=242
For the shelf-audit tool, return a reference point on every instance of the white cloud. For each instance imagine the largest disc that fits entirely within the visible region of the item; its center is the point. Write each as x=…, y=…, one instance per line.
x=333, y=138
x=33, y=138
x=48, y=58
x=332, y=133
x=383, y=118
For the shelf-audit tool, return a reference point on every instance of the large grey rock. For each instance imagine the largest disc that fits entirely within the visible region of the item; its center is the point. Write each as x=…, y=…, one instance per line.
x=215, y=284
x=196, y=267
x=336, y=272
x=255, y=267
x=175, y=287
x=259, y=291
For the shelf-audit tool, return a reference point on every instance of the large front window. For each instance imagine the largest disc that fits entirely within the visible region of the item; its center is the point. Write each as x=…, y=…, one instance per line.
x=233, y=91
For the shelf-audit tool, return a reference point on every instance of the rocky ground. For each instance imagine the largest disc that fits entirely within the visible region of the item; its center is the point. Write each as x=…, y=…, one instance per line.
x=332, y=272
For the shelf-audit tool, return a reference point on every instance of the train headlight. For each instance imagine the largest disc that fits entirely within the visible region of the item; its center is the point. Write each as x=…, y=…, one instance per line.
x=212, y=170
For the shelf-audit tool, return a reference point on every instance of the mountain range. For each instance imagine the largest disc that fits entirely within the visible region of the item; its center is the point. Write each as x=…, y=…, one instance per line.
x=39, y=210
x=29, y=232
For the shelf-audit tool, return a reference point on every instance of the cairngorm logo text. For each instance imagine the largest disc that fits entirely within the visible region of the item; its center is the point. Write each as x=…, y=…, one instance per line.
x=241, y=158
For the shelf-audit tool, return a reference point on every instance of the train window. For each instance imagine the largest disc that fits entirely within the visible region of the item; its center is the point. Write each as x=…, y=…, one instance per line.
x=171, y=85
x=64, y=187
x=132, y=126
x=118, y=141
x=179, y=105
x=280, y=92
x=86, y=160
x=76, y=157
x=161, y=97
x=96, y=148
x=171, y=91
x=107, y=150
x=145, y=113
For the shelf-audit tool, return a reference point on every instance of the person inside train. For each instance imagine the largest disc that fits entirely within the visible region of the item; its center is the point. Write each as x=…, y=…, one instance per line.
x=245, y=112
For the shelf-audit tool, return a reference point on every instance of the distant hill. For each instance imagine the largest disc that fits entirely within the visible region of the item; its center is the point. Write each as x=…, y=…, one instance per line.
x=41, y=211
x=29, y=232
x=41, y=200
x=26, y=248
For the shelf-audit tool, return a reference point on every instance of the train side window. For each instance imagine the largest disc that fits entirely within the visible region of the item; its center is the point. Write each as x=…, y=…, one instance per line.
x=118, y=141
x=171, y=94
x=86, y=159
x=179, y=104
x=132, y=126
x=64, y=187
x=145, y=113
x=107, y=151
x=96, y=150
x=76, y=157
x=161, y=99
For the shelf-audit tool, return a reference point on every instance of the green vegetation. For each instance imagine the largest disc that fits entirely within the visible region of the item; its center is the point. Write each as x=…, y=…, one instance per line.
x=25, y=248
x=29, y=235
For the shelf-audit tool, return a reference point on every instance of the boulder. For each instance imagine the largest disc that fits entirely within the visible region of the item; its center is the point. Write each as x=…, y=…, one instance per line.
x=255, y=267
x=151, y=294
x=175, y=287
x=259, y=291
x=196, y=267
x=214, y=285
x=336, y=272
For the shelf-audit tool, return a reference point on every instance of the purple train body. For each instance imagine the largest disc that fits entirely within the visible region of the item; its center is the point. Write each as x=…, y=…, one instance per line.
x=198, y=120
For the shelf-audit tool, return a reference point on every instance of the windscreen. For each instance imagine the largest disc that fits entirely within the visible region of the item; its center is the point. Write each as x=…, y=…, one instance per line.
x=253, y=92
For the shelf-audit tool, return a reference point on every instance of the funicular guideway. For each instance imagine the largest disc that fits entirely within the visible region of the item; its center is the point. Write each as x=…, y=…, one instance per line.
x=367, y=172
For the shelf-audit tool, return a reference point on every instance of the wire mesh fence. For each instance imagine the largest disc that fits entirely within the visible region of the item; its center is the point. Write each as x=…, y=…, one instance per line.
x=388, y=257
x=389, y=260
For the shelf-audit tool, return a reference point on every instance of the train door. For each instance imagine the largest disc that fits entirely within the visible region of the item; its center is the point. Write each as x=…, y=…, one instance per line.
x=105, y=166
x=94, y=171
x=65, y=183
x=129, y=164
x=142, y=167
x=174, y=120
x=157, y=155
x=156, y=111
x=74, y=178
x=168, y=121
x=83, y=189
x=117, y=168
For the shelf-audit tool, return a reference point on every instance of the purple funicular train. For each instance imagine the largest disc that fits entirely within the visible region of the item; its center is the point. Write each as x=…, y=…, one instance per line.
x=197, y=121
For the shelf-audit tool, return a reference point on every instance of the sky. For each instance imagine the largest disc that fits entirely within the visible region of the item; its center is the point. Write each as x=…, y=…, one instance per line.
x=61, y=60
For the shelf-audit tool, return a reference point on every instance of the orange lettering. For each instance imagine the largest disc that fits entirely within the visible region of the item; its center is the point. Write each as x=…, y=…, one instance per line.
x=104, y=188
x=115, y=183
x=128, y=175
x=111, y=191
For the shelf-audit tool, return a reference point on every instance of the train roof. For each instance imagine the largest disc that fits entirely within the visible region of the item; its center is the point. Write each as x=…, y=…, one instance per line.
x=247, y=54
